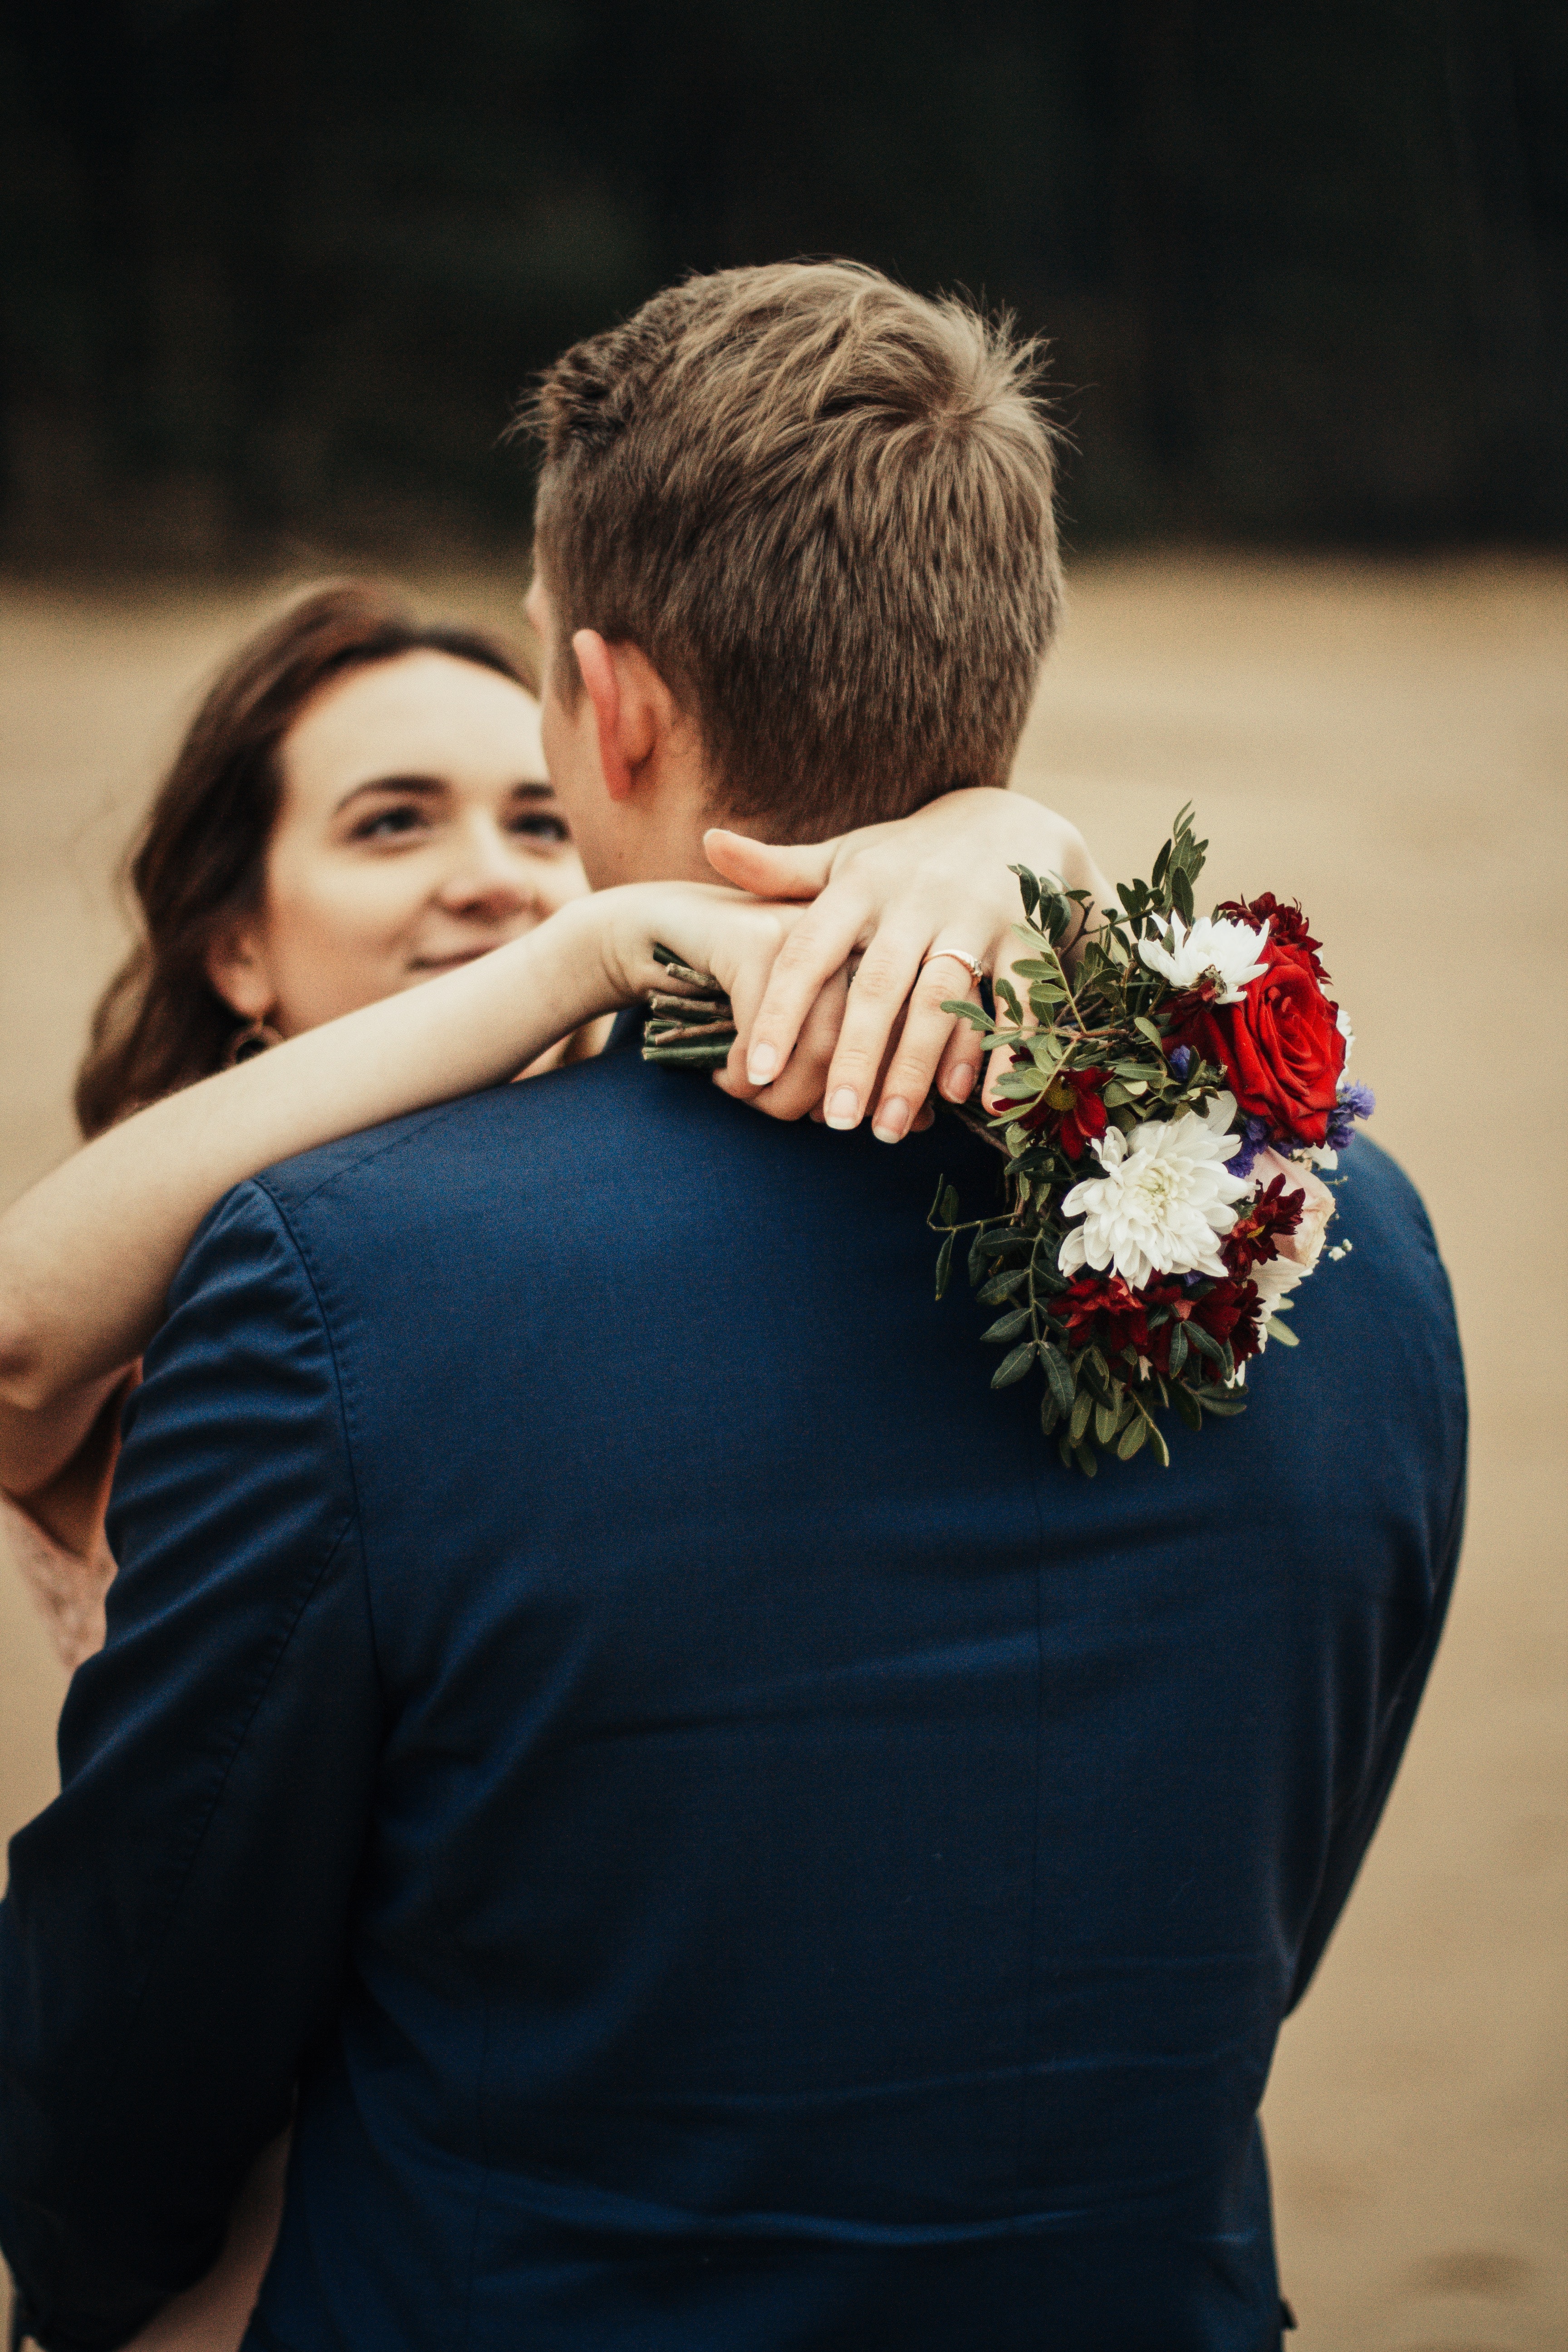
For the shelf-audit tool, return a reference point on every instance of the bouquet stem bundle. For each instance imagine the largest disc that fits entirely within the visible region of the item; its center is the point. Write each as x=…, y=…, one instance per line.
x=694, y=1029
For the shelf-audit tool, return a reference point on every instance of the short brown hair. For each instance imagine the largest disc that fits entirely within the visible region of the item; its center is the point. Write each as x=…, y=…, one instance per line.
x=160, y=1024
x=821, y=504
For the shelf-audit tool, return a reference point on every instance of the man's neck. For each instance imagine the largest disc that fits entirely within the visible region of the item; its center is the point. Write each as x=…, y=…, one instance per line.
x=662, y=842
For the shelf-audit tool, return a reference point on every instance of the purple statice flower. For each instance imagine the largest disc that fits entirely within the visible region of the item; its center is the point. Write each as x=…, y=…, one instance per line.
x=1180, y=1059
x=1355, y=1101
x=1254, y=1138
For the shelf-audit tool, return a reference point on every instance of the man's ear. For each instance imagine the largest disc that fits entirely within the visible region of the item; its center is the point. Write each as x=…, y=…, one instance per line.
x=238, y=968
x=634, y=710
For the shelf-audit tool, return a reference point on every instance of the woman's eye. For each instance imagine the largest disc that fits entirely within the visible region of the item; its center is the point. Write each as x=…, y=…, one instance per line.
x=536, y=824
x=387, y=823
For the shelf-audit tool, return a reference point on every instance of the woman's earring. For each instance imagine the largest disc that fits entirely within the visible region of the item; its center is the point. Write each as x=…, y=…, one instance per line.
x=246, y=1043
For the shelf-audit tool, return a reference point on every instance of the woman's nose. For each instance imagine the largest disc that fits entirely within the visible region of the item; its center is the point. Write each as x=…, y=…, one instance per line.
x=489, y=876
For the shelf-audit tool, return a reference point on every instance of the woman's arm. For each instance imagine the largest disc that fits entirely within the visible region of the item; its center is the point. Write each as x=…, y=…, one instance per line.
x=87, y=1254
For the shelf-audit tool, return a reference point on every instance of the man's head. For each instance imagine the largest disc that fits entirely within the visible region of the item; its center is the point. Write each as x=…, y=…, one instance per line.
x=796, y=560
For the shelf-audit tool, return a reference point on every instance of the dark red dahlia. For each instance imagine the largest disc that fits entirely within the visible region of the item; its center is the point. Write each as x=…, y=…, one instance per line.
x=1286, y=924
x=1116, y=1318
x=1229, y=1310
x=1070, y=1110
x=1258, y=1233
x=1108, y=1313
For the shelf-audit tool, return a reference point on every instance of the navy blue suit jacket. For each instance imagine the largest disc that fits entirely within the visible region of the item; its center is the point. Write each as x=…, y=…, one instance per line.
x=735, y=1846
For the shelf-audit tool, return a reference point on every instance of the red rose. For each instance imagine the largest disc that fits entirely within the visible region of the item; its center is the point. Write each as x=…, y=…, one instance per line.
x=1279, y=1047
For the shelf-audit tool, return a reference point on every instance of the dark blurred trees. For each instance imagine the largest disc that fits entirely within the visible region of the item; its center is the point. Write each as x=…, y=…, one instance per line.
x=284, y=264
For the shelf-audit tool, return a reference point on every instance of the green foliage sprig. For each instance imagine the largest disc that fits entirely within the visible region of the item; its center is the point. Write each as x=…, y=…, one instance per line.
x=1092, y=1005
x=1094, y=1010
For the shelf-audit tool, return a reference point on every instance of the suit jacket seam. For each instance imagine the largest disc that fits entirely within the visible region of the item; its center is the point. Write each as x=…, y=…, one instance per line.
x=341, y=1385
x=412, y=1125
x=1031, y=1949
x=329, y=1554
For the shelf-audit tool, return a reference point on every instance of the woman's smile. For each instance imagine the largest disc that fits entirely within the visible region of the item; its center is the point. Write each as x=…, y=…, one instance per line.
x=418, y=832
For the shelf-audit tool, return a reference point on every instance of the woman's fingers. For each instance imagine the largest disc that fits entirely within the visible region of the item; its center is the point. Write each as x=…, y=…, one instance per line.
x=800, y=1088
x=927, y=1046
x=959, y=1068
x=820, y=943
x=767, y=870
x=882, y=986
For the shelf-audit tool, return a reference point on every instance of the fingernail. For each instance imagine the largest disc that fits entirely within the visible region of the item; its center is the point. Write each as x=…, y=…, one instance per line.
x=891, y=1120
x=843, y=1107
x=958, y=1085
x=762, y=1063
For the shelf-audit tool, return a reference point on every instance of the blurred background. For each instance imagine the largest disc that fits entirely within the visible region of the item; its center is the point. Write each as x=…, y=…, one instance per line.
x=280, y=266
x=274, y=275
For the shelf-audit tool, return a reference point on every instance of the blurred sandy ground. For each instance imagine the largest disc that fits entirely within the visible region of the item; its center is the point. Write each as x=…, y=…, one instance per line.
x=1389, y=742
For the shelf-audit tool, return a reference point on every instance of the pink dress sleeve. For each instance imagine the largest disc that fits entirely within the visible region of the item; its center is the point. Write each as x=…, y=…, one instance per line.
x=67, y=1586
x=57, y=1535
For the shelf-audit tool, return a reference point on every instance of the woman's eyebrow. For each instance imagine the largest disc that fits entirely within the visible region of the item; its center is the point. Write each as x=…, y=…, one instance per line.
x=425, y=787
x=527, y=788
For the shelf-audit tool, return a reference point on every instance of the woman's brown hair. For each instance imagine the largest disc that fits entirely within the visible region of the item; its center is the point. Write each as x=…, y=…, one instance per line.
x=160, y=1024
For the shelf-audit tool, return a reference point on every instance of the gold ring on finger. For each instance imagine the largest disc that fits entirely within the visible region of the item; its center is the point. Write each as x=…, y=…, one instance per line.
x=975, y=970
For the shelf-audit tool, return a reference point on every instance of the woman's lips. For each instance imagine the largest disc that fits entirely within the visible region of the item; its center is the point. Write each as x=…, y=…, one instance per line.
x=450, y=962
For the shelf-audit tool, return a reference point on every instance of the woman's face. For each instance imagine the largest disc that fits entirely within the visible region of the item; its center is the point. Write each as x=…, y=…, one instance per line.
x=417, y=830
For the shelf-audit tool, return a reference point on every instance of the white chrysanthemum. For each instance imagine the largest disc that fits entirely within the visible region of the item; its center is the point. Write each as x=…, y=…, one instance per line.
x=1230, y=951
x=1166, y=1194
x=1342, y=1024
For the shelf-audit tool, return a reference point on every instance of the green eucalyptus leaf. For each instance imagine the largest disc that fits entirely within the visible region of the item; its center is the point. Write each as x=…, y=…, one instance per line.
x=949, y=1213
x=944, y=1263
x=1013, y=1367
x=1132, y=1437
x=1086, y=1459
x=1187, y=1404
x=1106, y=1417
x=1058, y=1374
x=1203, y=1341
x=1281, y=1331
x=1001, y=1286
x=1083, y=1406
x=1007, y=1327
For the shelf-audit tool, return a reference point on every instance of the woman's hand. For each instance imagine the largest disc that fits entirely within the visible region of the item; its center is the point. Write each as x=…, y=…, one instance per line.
x=899, y=895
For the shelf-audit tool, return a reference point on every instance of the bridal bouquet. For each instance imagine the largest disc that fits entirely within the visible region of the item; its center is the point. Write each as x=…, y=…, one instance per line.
x=1172, y=1086
x=1170, y=1093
